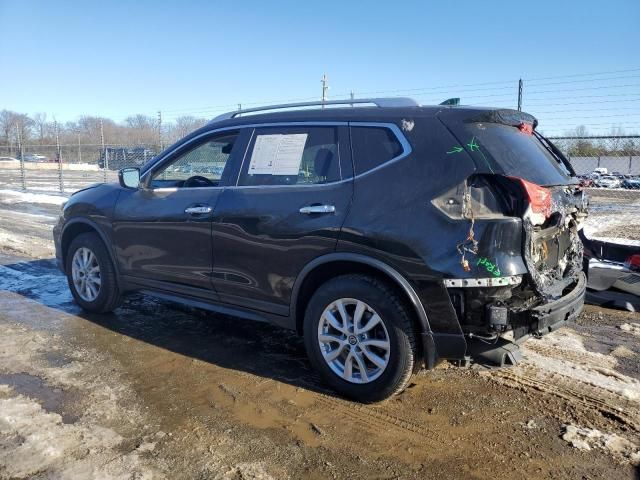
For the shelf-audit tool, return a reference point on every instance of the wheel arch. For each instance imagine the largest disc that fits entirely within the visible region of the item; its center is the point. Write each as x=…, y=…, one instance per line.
x=332, y=265
x=78, y=226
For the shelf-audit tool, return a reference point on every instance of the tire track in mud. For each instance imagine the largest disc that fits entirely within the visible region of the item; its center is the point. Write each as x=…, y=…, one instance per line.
x=372, y=419
x=574, y=392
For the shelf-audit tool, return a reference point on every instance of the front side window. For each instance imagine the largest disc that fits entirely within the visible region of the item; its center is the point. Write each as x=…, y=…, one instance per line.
x=200, y=166
x=373, y=146
x=292, y=156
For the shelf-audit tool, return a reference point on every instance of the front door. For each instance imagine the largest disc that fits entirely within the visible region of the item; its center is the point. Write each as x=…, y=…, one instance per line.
x=291, y=198
x=162, y=231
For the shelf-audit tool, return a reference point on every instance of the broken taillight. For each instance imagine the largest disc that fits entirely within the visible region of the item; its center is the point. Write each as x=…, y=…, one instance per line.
x=633, y=262
x=539, y=197
x=526, y=128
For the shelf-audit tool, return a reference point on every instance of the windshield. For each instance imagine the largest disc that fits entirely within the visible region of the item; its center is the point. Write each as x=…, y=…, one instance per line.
x=506, y=150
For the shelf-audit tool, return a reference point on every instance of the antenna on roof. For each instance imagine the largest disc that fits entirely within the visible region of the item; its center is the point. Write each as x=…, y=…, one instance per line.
x=451, y=102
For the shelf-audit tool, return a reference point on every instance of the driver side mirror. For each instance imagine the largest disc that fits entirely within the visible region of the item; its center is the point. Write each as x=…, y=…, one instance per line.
x=129, y=177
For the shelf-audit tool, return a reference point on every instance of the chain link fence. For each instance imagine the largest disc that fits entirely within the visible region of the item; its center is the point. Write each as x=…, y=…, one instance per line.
x=67, y=168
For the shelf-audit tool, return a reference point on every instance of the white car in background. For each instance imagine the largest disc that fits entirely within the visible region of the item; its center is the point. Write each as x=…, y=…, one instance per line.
x=609, y=182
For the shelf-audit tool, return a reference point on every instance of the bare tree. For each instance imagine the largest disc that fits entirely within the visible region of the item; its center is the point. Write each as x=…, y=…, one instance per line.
x=41, y=125
x=141, y=129
x=184, y=125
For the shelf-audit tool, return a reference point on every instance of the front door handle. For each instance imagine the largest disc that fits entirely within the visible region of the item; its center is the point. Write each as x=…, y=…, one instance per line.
x=198, y=210
x=318, y=209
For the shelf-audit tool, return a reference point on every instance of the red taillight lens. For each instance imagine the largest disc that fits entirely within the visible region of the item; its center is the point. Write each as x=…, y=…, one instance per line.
x=526, y=128
x=633, y=262
x=539, y=197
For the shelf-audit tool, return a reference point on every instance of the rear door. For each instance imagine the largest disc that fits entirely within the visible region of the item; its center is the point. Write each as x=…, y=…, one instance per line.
x=290, y=200
x=162, y=231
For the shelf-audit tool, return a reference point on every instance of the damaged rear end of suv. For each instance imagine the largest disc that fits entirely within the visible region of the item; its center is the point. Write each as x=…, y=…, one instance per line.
x=523, y=274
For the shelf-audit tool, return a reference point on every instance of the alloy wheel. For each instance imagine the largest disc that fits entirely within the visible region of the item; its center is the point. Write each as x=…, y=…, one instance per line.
x=354, y=340
x=85, y=272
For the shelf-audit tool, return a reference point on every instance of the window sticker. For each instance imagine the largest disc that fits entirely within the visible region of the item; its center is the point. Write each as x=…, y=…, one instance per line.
x=277, y=154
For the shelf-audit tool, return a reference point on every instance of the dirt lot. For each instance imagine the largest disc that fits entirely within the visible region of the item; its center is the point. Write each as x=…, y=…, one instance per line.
x=157, y=391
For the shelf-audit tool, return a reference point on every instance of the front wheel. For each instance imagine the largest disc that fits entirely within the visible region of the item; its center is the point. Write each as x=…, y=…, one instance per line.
x=91, y=274
x=360, y=338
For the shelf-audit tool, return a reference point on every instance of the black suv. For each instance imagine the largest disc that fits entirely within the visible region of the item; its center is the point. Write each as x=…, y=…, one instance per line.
x=390, y=235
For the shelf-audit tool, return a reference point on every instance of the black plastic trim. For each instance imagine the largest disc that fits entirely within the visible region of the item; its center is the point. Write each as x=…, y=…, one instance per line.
x=402, y=282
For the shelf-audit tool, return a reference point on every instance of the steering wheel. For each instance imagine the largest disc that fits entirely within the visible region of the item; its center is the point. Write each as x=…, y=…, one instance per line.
x=198, y=181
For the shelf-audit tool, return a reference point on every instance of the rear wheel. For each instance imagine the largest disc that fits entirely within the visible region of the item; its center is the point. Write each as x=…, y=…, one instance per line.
x=91, y=274
x=359, y=336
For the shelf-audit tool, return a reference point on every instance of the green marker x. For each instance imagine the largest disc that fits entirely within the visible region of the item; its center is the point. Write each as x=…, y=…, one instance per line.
x=473, y=146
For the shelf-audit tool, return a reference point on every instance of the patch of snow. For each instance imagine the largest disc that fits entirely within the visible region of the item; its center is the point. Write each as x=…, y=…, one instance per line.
x=14, y=196
x=34, y=441
x=564, y=353
x=633, y=328
x=604, y=378
x=589, y=438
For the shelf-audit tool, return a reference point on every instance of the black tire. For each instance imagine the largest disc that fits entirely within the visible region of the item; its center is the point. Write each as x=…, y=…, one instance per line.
x=398, y=324
x=109, y=296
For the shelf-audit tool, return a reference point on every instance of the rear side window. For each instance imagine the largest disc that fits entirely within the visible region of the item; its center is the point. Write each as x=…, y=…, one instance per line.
x=292, y=156
x=373, y=146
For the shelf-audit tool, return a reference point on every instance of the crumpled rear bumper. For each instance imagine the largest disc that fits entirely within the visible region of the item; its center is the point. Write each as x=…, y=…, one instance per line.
x=550, y=316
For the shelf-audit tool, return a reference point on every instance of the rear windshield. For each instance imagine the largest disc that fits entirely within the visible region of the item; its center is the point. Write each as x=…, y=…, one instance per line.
x=505, y=149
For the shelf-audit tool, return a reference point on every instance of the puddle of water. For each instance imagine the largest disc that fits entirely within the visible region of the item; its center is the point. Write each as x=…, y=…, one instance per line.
x=52, y=399
x=56, y=359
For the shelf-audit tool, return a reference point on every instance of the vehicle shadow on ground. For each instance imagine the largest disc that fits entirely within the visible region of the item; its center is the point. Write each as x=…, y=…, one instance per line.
x=228, y=342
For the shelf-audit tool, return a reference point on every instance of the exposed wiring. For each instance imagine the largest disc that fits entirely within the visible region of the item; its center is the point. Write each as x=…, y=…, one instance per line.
x=470, y=244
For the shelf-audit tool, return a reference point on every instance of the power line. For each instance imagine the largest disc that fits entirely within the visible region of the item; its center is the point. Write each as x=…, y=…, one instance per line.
x=582, y=74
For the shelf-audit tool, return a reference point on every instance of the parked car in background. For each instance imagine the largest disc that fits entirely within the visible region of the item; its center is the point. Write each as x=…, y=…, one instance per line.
x=585, y=180
x=631, y=183
x=601, y=171
x=331, y=223
x=608, y=181
x=34, y=157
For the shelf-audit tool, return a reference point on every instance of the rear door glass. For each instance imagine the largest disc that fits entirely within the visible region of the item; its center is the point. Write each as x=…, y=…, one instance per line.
x=506, y=150
x=292, y=156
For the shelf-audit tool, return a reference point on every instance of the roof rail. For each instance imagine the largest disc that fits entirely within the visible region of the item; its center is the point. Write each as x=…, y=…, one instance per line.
x=379, y=102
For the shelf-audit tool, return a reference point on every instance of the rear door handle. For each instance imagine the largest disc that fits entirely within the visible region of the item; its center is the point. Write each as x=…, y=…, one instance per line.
x=198, y=210
x=318, y=209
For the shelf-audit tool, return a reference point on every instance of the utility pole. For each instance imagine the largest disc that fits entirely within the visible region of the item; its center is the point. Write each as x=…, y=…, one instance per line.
x=160, y=130
x=59, y=157
x=23, y=180
x=352, y=96
x=239, y=107
x=520, y=95
x=325, y=87
x=105, y=156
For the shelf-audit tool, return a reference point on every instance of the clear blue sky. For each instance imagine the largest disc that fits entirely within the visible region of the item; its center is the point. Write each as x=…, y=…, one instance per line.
x=116, y=58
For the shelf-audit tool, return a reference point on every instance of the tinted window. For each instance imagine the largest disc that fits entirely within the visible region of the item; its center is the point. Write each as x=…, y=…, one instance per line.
x=505, y=149
x=292, y=156
x=373, y=146
x=206, y=159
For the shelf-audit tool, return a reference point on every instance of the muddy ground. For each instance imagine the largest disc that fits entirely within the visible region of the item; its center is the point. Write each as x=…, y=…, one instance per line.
x=158, y=391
